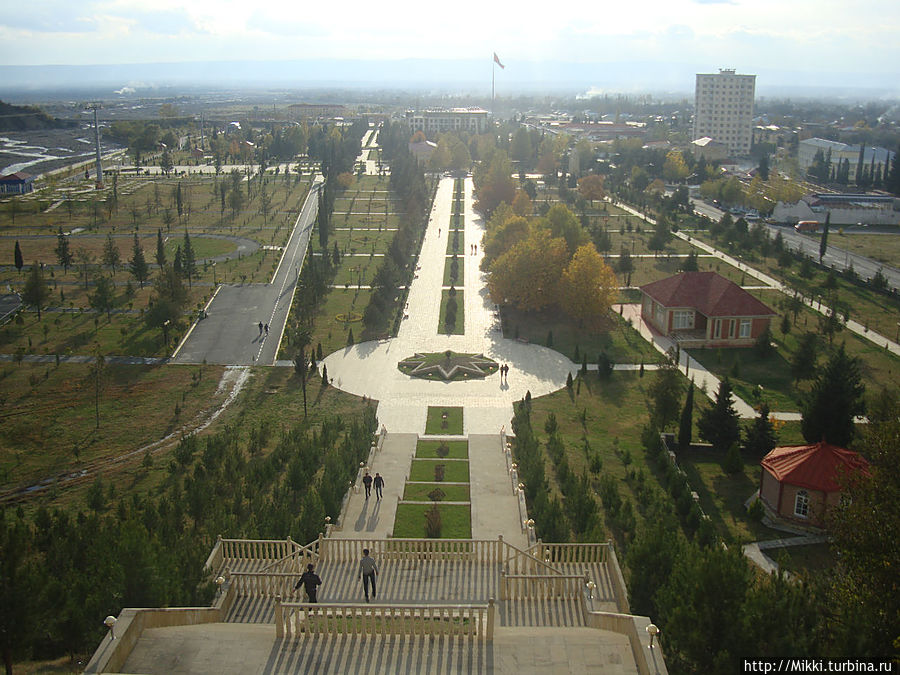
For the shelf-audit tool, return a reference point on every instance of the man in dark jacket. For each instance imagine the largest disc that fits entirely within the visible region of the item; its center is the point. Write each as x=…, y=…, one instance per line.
x=379, y=484
x=367, y=483
x=310, y=580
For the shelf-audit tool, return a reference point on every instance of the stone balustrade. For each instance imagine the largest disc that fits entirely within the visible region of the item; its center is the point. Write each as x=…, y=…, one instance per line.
x=473, y=622
x=469, y=550
x=531, y=586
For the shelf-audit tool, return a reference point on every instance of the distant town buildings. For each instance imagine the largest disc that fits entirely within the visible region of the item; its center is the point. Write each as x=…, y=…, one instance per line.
x=316, y=110
x=872, y=156
x=453, y=119
x=723, y=109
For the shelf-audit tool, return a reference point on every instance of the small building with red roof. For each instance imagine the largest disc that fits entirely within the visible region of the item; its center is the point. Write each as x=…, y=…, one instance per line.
x=801, y=482
x=704, y=309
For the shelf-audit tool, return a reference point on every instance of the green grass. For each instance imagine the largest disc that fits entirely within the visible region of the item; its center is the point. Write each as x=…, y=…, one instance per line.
x=747, y=371
x=621, y=343
x=454, y=471
x=460, y=245
x=78, y=333
x=456, y=519
x=722, y=495
x=434, y=421
x=459, y=326
x=331, y=324
x=418, y=492
x=428, y=449
x=460, y=272
x=50, y=423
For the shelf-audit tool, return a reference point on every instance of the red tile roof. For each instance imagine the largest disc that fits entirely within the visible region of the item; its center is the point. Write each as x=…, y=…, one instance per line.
x=707, y=292
x=815, y=467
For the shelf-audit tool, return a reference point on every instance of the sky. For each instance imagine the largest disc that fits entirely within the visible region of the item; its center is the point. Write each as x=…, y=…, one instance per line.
x=824, y=39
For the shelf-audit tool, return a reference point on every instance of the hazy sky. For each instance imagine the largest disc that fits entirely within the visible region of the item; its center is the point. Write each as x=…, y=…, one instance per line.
x=834, y=36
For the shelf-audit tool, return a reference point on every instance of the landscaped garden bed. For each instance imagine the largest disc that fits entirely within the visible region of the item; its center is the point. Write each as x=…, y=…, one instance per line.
x=456, y=521
x=444, y=421
x=448, y=365
x=430, y=470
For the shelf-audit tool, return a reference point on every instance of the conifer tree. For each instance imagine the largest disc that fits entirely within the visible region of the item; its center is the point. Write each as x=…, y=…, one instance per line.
x=685, y=429
x=719, y=424
x=138, y=264
x=160, y=248
x=188, y=259
x=17, y=257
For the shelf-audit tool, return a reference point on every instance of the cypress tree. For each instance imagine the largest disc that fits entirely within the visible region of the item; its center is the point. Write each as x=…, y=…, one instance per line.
x=160, y=248
x=17, y=255
x=138, y=263
x=823, y=242
x=188, y=259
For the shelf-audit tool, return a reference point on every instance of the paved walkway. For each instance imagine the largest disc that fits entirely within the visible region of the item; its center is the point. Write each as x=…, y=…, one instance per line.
x=370, y=368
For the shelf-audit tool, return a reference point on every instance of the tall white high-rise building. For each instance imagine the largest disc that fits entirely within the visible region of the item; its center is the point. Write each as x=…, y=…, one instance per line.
x=723, y=109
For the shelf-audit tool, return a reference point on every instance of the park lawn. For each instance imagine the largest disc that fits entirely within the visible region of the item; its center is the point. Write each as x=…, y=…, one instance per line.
x=273, y=399
x=459, y=326
x=340, y=313
x=877, y=364
x=460, y=272
x=647, y=270
x=428, y=449
x=722, y=495
x=357, y=270
x=419, y=492
x=86, y=333
x=747, y=371
x=50, y=416
x=369, y=183
x=361, y=241
x=637, y=242
x=458, y=237
x=434, y=421
x=456, y=520
x=455, y=471
x=885, y=248
x=621, y=342
x=374, y=221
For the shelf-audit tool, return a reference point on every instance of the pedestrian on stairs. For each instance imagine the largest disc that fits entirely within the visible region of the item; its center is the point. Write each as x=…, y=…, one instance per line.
x=367, y=483
x=379, y=484
x=310, y=581
x=368, y=570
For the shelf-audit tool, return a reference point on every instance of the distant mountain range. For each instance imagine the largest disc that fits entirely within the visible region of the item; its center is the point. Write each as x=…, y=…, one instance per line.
x=426, y=76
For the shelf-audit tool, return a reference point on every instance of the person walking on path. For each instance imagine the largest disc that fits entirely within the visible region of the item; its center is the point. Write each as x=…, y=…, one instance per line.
x=310, y=581
x=368, y=570
x=367, y=483
x=267, y=329
x=379, y=484
x=260, y=327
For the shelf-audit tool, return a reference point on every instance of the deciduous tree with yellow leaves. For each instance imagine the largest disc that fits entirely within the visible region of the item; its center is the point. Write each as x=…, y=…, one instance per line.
x=588, y=287
x=527, y=276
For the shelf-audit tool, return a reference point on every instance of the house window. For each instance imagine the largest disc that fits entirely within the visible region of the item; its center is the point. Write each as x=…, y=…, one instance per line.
x=745, y=327
x=682, y=319
x=731, y=328
x=801, y=504
x=717, y=333
x=660, y=316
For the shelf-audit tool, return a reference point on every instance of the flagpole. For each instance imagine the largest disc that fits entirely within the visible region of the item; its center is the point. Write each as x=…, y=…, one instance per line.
x=493, y=70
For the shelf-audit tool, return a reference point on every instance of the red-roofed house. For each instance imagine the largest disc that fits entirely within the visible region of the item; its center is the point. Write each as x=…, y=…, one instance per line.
x=800, y=482
x=704, y=309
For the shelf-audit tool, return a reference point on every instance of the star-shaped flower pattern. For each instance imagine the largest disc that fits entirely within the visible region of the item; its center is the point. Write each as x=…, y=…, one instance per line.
x=448, y=365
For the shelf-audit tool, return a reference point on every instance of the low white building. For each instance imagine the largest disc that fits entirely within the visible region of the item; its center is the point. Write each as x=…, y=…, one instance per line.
x=845, y=209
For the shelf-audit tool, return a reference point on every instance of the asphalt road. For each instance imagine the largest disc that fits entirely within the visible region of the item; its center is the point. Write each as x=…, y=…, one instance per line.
x=835, y=257
x=230, y=334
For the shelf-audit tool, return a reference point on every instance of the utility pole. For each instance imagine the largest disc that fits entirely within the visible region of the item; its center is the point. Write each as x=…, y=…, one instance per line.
x=95, y=107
